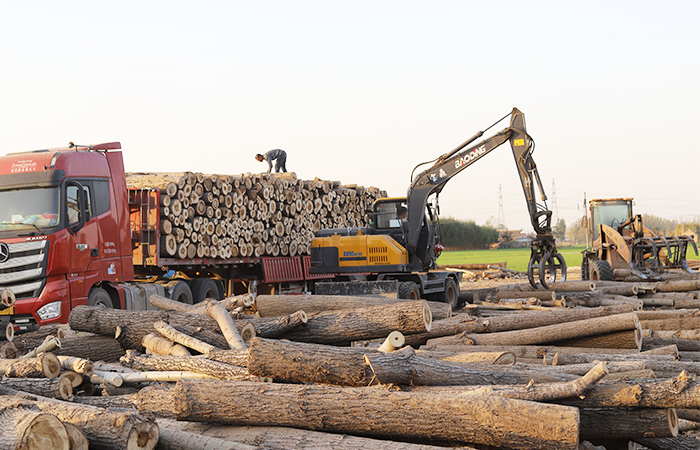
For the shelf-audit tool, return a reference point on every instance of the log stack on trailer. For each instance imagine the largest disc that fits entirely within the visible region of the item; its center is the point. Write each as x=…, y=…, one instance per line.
x=267, y=375
x=248, y=215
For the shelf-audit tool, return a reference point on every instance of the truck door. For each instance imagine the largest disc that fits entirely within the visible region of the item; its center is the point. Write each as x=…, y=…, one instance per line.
x=83, y=240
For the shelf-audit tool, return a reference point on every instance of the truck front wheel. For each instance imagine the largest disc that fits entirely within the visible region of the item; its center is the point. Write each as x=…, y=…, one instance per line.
x=99, y=297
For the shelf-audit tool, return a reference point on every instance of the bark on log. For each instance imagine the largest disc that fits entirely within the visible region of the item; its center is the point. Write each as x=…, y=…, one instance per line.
x=181, y=338
x=215, y=369
x=603, y=423
x=182, y=440
x=79, y=365
x=275, y=327
x=618, y=339
x=103, y=428
x=45, y=365
x=457, y=325
x=217, y=312
x=94, y=348
x=344, y=326
x=60, y=388
x=547, y=391
x=234, y=357
x=24, y=426
x=552, y=333
x=403, y=367
x=679, y=392
x=648, y=343
x=371, y=412
x=162, y=346
x=287, y=438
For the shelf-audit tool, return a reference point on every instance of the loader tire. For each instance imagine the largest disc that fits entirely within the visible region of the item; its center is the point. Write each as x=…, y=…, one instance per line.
x=600, y=270
x=409, y=290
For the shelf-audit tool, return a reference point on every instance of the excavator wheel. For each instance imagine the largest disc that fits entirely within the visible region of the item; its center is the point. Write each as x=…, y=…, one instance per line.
x=451, y=293
x=409, y=290
x=600, y=270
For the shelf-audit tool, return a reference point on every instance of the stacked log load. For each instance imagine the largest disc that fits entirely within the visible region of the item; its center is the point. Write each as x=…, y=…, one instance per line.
x=332, y=372
x=250, y=215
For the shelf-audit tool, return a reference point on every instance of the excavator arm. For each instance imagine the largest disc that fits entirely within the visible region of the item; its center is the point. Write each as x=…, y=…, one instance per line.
x=544, y=257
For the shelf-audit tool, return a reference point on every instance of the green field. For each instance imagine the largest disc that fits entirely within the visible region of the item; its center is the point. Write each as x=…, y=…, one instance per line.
x=517, y=258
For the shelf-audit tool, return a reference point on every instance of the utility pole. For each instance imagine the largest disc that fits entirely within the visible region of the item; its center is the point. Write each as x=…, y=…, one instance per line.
x=501, y=216
x=554, y=203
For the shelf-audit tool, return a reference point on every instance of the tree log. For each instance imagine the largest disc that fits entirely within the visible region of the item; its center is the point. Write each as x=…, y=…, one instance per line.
x=286, y=438
x=546, y=391
x=234, y=357
x=181, y=338
x=403, y=367
x=79, y=365
x=162, y=346
x=103, y=428
x=94, y=348
x=520, y=321
x=344, y=326
x=45, y=365
x=217, y=312
x=182, y=440
x=59, y=387
x=215, y=369
x=379, y=413
x=24, y=426
x=275, y=327
x=551, y=333
x=615, y=423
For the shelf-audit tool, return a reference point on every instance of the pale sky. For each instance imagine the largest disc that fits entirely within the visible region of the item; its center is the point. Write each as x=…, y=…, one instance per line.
x=363, y=91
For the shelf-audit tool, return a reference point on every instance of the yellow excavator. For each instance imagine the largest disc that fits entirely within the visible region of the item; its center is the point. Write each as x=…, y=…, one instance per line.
x=619, y=245
x=406, y=250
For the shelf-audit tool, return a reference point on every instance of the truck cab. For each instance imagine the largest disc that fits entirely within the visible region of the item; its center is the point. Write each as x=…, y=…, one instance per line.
x=60, y=241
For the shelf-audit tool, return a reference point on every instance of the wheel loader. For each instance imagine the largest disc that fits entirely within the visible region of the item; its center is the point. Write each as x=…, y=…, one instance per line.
x=619, y=245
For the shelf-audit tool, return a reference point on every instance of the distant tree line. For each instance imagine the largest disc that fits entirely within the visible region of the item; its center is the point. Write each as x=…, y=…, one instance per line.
x=466, y=235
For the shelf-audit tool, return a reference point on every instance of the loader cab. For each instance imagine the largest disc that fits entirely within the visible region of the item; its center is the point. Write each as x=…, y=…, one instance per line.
x=611, y=212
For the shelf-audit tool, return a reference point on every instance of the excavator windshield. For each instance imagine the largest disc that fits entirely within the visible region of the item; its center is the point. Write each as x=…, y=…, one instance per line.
x=612, y=212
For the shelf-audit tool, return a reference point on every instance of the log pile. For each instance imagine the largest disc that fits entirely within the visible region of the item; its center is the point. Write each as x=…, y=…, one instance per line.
x=367, y=373
x=250, y=215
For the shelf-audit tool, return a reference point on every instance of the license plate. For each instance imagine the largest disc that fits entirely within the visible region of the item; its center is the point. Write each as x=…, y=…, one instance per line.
x=7, y=311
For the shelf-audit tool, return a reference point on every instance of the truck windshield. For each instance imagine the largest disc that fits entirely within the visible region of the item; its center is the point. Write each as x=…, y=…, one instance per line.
x=611, y=214
x=36, y=207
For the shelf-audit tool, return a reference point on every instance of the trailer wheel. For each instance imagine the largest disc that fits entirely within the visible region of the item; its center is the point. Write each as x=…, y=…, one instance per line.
x=180, y=291
x=409, y=290
x=99, y=297
x=204, y=288
x=600, y=270
x=451, y=293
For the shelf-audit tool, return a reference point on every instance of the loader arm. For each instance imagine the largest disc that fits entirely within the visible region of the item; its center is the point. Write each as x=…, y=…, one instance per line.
x=432, y=181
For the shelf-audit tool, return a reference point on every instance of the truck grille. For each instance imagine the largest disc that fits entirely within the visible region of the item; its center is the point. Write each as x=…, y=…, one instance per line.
x=24, y=272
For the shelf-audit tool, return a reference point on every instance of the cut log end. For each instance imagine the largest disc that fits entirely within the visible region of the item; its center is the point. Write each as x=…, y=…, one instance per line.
x=46, y=431
x=394, y=341
x=144, y=436
x=427, y=316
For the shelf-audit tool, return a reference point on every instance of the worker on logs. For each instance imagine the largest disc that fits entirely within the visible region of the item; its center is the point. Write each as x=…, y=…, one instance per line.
x=278, y=155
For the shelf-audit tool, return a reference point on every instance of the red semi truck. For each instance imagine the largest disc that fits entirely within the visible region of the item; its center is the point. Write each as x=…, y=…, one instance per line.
x=73, y=233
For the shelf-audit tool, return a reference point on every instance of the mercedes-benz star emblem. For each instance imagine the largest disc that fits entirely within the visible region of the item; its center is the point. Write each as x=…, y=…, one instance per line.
x=4, y=252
